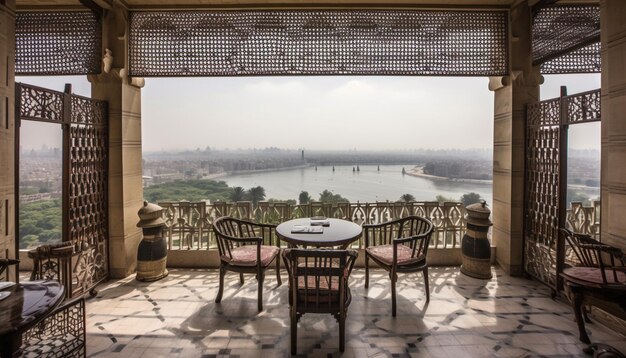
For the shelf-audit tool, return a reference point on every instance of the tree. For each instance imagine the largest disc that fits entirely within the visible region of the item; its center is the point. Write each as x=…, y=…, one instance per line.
x=304, y=197
x=328, y=197
x=440, y=198
x=238, y=194
x=191, y=190
x=288, y=201
x=256, y=194
x=407, y=198
x=470, y=198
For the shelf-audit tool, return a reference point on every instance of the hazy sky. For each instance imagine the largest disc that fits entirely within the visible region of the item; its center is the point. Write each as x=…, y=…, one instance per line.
x=339, y=112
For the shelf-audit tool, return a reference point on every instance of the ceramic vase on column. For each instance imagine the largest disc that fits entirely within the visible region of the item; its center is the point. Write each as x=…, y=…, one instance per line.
x=152, y=251
x=475, y=247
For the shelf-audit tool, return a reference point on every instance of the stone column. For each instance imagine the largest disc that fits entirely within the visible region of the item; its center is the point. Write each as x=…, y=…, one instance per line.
x=125, y=165
x=613, y=38
x=7, y=133
x=511, y=94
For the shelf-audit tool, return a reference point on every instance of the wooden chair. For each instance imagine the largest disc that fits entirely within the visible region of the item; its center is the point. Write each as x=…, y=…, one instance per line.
x=246, y=247
x=600, y=280
x=398, y=246
x=62, y=332
x=318, y=283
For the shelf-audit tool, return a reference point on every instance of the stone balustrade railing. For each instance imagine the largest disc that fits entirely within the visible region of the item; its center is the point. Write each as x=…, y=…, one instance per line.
x=584, y=219
x=189, y=223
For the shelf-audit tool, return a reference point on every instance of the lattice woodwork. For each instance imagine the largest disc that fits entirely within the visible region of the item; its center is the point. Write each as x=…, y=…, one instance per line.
x=558, y=30
x=542, y=205
x=40, y=104
x=88, y=200
x=318, y=42
x=60, y=335
x=584, y=60
x=583, y=107
x=544, y=126
x=88, y=111
x=86, y=125
x=57, y=43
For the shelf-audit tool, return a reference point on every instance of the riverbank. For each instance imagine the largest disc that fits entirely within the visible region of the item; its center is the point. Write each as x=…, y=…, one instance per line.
x=254, y=171
x=418, y=171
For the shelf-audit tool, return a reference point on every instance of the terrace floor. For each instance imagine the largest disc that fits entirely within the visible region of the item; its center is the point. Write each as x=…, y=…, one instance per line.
x=466, y=317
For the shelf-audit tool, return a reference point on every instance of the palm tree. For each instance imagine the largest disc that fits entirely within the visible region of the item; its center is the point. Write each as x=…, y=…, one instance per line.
x=407, y=198
x=238, y=194
x=304, y=197
x=256, y=194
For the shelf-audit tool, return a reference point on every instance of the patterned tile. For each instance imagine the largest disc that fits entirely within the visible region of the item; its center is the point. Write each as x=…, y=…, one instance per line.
x=177, y=317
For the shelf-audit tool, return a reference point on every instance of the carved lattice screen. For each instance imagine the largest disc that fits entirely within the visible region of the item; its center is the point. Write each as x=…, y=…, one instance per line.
x=87, y=188
x=57, y=43
x=546, y=125
x=542, y=192
x=85, y=162
x=318, y=42
x=566, y=39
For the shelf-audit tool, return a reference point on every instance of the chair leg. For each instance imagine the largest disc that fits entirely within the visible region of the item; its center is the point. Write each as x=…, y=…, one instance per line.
x=241, y=278
x=280, y=282
x=426, y=288
x=367, y=271
x=394, y=278
x=585, y=315
x=342, y=332
x=260, y=278
x=294, y=332
x=578, y=307
x=218, y=299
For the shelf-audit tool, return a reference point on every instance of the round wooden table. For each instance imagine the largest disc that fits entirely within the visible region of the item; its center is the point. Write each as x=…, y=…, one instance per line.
x=28, y=304
x=340, y=233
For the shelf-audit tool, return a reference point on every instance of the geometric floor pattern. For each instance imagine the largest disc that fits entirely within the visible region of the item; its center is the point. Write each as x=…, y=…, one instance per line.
x=177, y=317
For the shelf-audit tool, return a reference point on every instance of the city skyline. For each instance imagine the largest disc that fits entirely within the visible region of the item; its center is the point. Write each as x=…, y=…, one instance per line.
x=317, y=113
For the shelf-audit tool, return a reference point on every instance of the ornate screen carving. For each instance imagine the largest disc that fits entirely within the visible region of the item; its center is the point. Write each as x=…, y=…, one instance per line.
x=40, y=104
x=544, y=126
x=542, y=206
x=565, y=38
x=318, y=42
x=88, y=168
x=57, y=43
x=583, y=107
x=86, y=155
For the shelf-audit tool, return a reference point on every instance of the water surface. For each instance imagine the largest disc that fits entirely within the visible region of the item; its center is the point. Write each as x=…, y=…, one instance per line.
x=366, y=185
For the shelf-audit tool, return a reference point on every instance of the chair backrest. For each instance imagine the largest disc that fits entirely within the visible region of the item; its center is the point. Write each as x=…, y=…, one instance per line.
x=318, y=278
x=585, y=256
x=228, y=232
x=410, y=226
x=592, y=253
x=52, y=261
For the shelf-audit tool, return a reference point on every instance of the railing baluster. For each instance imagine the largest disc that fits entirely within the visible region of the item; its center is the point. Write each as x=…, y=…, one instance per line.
x=188, y=224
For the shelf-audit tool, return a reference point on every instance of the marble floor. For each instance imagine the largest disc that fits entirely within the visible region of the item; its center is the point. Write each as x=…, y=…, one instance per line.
x=466, y=317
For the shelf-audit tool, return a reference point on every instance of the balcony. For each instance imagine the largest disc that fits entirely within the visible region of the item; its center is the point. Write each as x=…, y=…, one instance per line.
x=176, y=317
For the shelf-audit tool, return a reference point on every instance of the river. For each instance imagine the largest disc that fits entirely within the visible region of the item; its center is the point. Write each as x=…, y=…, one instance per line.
x=367, y=185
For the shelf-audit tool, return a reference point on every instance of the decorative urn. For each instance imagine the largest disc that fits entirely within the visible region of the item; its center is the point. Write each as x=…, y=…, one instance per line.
x=475, y=246
x=152, y=251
